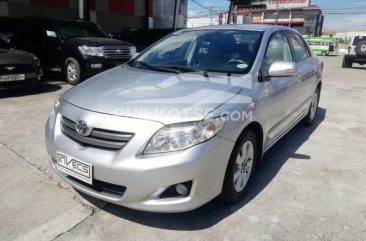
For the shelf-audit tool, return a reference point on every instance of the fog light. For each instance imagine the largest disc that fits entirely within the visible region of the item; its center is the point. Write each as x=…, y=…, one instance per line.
x=178, y=190
x=96, y=66
x=181, y=189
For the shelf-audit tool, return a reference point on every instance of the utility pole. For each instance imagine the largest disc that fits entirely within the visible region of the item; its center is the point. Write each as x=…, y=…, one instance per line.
x=176, y=9
x=211, y=15
x=81, y=9
x=229, y=13
x=277, y=13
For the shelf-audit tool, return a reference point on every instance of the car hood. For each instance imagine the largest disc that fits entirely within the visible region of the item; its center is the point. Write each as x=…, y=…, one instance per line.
x=91, y=41
x=14, y=56
x=163, y=97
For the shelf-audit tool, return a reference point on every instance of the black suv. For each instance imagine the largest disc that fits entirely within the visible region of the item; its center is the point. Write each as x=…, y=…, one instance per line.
x=80, y=48
x=356, y=52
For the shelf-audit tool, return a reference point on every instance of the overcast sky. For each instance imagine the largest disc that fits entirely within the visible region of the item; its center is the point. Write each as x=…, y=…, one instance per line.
x=347, y=20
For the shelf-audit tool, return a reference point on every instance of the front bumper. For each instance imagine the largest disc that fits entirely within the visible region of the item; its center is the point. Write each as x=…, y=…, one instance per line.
x=97, y=65
x=31, y=79
x=144, y=177
x=356, y=58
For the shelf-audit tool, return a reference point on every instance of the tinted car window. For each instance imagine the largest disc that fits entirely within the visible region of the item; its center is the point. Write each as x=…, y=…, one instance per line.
x=300, y=49
x=29, y=31
x=8, y=25
x=278, y=50
x=72, y=29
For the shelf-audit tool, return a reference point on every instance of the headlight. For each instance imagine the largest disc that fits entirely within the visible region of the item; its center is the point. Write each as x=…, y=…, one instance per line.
x=184, y=135
x=36, y=61
x=91, y=51
x=57, y=103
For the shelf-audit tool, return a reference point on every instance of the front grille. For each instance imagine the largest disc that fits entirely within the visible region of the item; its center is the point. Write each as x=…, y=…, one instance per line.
x=98, y=137
x=7, y=69
x=117, y=52
x=101, y=187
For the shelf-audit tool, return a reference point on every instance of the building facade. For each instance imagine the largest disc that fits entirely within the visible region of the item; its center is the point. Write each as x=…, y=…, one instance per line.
x=299, y=14
x=113, y=15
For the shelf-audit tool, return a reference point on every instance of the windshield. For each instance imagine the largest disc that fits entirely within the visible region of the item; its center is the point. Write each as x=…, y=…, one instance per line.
x=226, y=51
x=73, y=29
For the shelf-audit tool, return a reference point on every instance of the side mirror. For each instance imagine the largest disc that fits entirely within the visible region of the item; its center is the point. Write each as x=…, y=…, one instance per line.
x=283, y=69
x=51, y=34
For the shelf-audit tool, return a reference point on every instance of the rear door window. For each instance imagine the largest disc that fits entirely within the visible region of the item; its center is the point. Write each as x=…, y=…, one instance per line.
x=300, y=49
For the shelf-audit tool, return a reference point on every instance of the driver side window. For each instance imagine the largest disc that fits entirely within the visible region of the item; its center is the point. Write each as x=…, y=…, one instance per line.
x=278, y=50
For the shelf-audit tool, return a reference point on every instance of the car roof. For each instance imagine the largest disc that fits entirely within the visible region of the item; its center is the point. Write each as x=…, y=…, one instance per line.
x=57, y=19
x=250, y=27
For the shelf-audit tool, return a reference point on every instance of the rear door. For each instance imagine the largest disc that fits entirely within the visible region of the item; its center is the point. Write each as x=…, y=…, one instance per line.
x=307, y=67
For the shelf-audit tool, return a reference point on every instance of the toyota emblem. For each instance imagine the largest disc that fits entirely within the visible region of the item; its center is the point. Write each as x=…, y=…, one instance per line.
x=82, y=128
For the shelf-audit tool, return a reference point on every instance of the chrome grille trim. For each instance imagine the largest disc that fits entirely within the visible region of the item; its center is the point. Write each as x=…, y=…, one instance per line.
x=117, y=52
x=98, y=137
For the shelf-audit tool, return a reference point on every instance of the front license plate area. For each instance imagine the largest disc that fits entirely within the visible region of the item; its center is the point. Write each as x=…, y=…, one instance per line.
x=12, y=77
x=75, y=168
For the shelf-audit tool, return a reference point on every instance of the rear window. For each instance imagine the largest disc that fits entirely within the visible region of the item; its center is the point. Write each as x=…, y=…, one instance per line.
x=8, y=25
x=73, y=29
x=358, y=39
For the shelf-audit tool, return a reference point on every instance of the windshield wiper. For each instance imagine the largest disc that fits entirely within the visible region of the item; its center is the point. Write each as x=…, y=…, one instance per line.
x=153, y=67
x=180, y=68
x=185, y=69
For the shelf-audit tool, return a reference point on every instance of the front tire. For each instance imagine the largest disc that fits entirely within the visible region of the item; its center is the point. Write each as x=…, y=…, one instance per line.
x=72, y=71
x=240, y=168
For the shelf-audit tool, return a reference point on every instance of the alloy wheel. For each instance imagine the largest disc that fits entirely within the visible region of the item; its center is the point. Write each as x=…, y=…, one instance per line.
x=243, y=166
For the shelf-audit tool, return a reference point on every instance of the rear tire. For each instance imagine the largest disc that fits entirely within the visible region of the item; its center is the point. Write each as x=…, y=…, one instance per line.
x=72, y=71
x=310, y=117
x=240, y=168
x=346, y=63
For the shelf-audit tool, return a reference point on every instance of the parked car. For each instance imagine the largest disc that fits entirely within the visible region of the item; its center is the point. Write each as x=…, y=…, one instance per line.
x=18, y=68
x=186, y=120
x=356, y=52
x=80, y=48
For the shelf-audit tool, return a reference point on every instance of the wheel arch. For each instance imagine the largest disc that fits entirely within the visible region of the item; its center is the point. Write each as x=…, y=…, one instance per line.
x=258, y=131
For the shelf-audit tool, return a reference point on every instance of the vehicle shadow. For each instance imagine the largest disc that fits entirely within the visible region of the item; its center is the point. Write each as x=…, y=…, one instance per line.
x=40, y=89
x=215, y=211
x=359, y=67
x=51, y=81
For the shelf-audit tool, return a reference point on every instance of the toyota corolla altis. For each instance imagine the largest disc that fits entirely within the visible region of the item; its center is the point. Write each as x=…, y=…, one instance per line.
x=186, y=120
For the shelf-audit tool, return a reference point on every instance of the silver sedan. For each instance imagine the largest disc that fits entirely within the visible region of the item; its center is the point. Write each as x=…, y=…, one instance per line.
x=186, y=120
